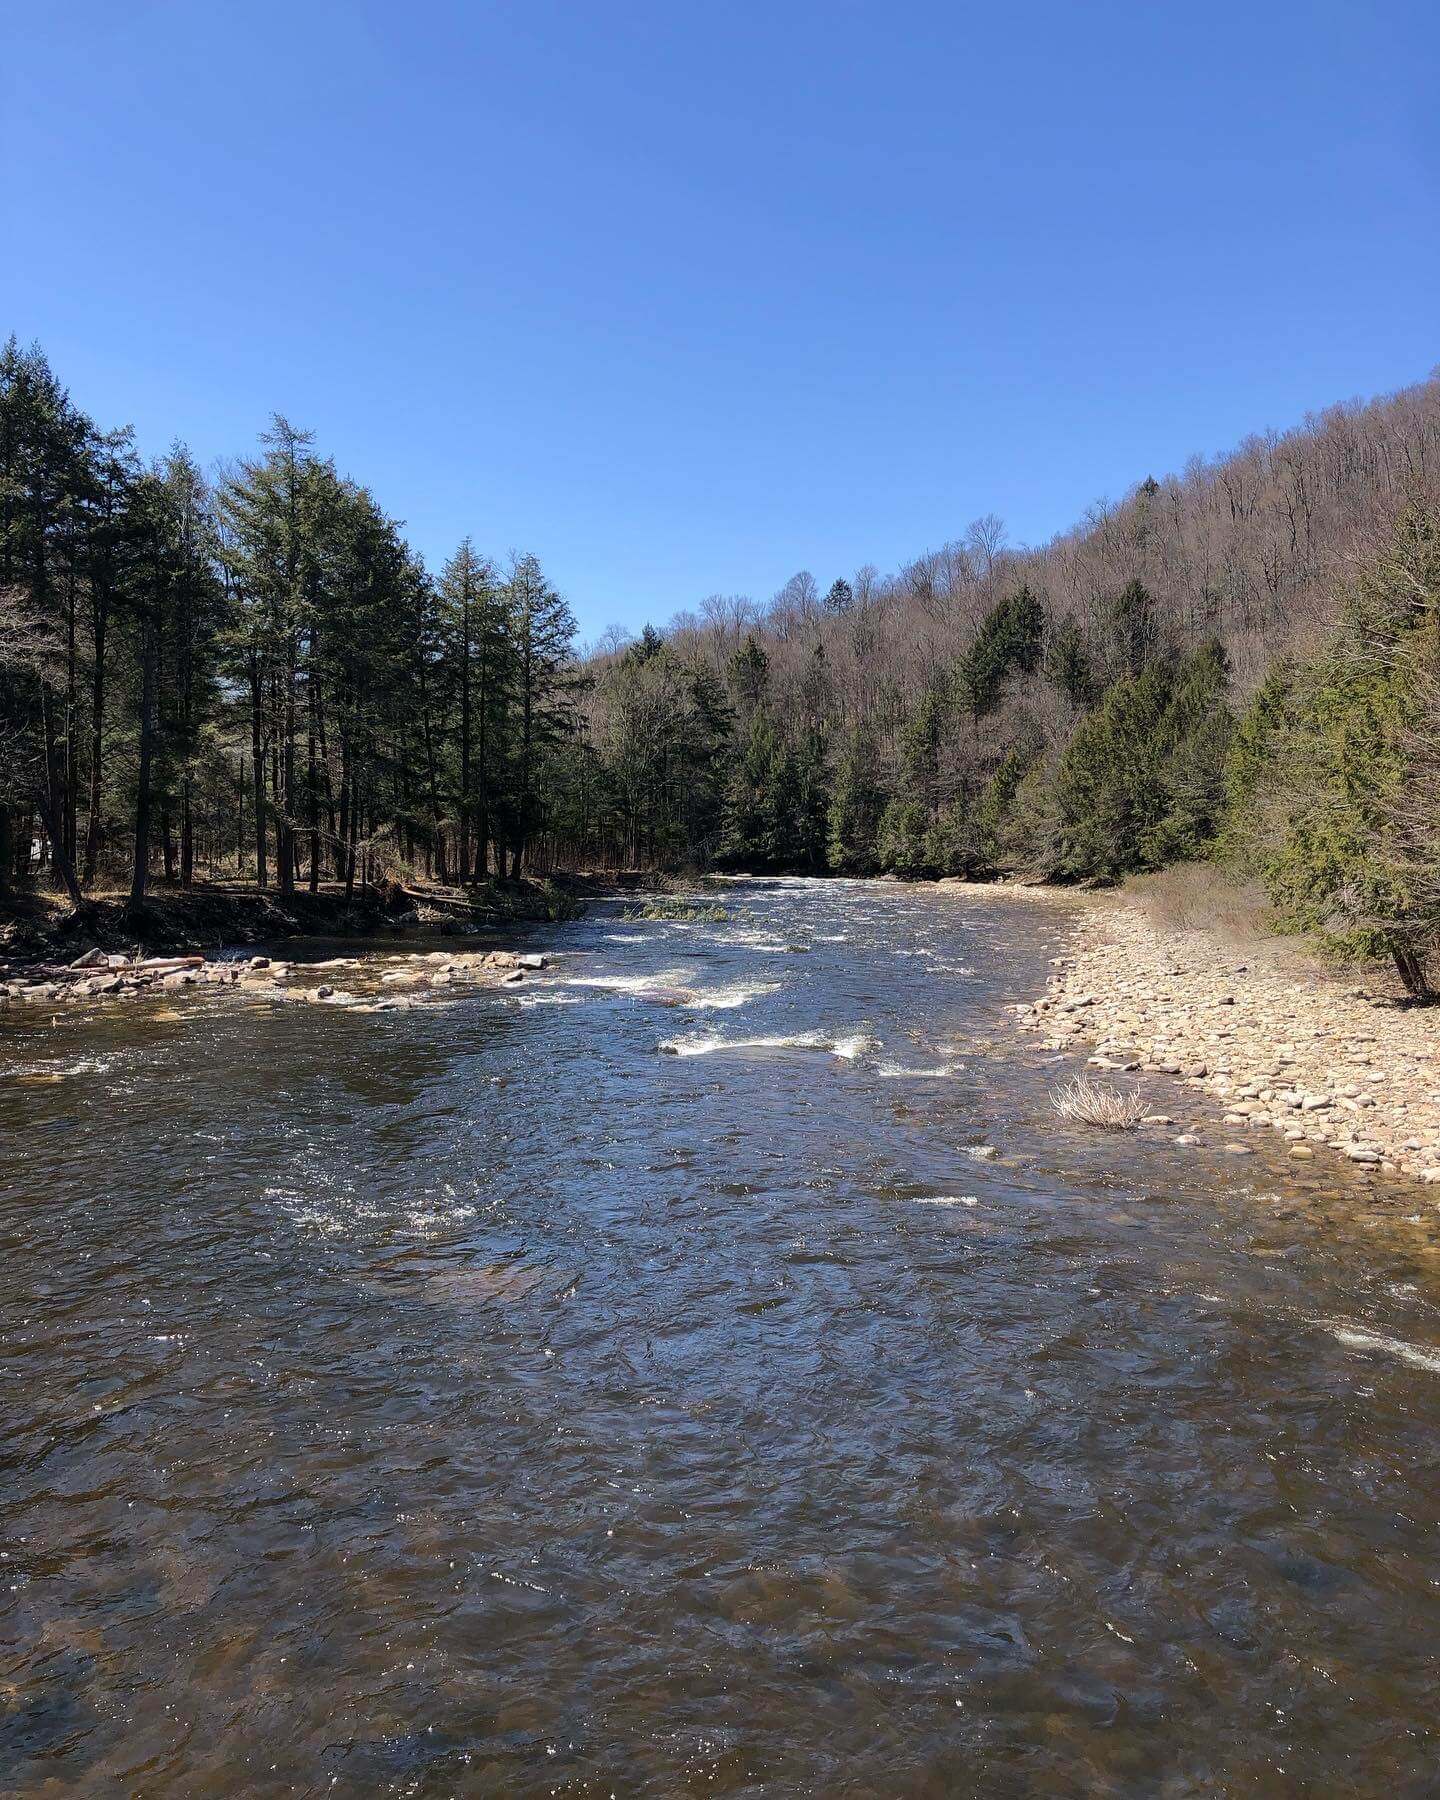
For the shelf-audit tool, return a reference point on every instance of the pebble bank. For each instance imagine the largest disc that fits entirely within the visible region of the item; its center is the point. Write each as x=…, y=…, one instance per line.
x=1301, y=1053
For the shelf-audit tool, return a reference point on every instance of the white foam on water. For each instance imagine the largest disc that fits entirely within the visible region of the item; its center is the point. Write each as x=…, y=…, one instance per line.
x=428, y=1221
x=671, y=980
x=757, y=940
x=1413, y=1354
x=674, y=988
x=725, y=999
x=54, y=1069
x=624, y=937
x=707, y=1043
x=899, y=1070
x=947, y=1200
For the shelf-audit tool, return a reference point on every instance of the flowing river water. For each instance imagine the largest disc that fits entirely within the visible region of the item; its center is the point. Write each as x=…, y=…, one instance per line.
x=475, y=1399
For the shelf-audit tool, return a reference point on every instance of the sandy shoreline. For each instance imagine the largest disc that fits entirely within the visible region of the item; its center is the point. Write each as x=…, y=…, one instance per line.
x=1283, y=1046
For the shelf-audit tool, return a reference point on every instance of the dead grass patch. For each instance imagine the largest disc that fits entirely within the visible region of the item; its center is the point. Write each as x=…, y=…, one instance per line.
x=1200, y=897
x=1084, y=1102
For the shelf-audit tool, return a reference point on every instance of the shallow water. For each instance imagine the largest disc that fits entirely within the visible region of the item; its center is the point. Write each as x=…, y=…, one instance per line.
x=473, y=1399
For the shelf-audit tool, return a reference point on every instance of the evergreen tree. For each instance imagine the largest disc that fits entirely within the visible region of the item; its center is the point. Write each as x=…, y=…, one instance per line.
x=856, y=803
x=752, y=829
x=1332, y=779
x=1068, y=664
x=542, y=709
x=475, y=625
x=901, y=838
x=750, y=673
x=1008, y=642
x=1131, y=631
x=1141, y=781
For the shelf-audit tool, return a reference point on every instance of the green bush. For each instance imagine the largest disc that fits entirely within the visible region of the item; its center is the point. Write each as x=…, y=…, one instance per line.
x=1332, y=775
x=1141, y=782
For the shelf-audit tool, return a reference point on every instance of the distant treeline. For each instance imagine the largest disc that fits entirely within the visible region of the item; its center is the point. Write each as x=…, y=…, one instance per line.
x=255, y=676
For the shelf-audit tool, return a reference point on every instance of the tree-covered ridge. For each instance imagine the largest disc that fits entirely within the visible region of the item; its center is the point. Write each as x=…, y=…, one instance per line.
x=256, y=676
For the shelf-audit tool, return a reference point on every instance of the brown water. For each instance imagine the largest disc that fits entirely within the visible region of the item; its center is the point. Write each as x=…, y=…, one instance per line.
x=471, y=1400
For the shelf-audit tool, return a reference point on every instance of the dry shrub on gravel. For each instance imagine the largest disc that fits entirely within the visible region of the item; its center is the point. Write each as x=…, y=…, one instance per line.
x=1200, y=897
x=1085, y=1102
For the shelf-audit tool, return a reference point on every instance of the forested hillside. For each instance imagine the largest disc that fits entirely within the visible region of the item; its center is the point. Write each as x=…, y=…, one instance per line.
x=958, y=714
x=253, y=676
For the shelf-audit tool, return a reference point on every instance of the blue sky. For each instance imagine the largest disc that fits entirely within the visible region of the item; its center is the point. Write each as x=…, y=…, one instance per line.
x=685, y=297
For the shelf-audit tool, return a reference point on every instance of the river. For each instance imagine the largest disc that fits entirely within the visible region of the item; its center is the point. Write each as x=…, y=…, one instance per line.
x=476, y=1399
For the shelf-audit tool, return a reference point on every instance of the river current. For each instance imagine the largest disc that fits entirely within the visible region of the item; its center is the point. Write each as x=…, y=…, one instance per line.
x=707, y=1368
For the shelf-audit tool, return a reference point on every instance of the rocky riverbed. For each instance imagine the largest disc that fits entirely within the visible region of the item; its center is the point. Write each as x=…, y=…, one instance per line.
x=1282, y=1047
x=384, y=982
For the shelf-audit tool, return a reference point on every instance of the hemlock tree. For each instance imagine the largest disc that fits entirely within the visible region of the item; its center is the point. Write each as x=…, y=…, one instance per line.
x=1008, y=642
x=1068, y=664
x=1334, y=779
x=1141, y=781
x=544, y=683
x=856, y=802
x=264, y=546
x=474, y=607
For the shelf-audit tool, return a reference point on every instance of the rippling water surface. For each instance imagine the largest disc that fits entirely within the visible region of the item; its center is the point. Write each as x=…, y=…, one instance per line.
x=475, y=1399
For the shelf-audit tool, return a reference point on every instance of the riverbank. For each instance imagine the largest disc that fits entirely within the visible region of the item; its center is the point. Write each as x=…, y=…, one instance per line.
x=1330, y=1058
x=39, y=928
x=49, y=953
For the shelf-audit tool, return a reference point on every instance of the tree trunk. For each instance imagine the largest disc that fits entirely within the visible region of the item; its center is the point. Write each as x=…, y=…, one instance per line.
x=285, y=785
x=101, y=622
x=72, y=765
x=1412, y=972
x=335, y=852
x=437, y=831
x=140, y=870
x=64, y=868
x=463, y=852
x=187, y=836
x=257, y=769
x=312, y=775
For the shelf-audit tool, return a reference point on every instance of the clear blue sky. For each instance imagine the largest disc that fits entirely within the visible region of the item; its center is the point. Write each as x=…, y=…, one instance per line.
x=686, y=297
